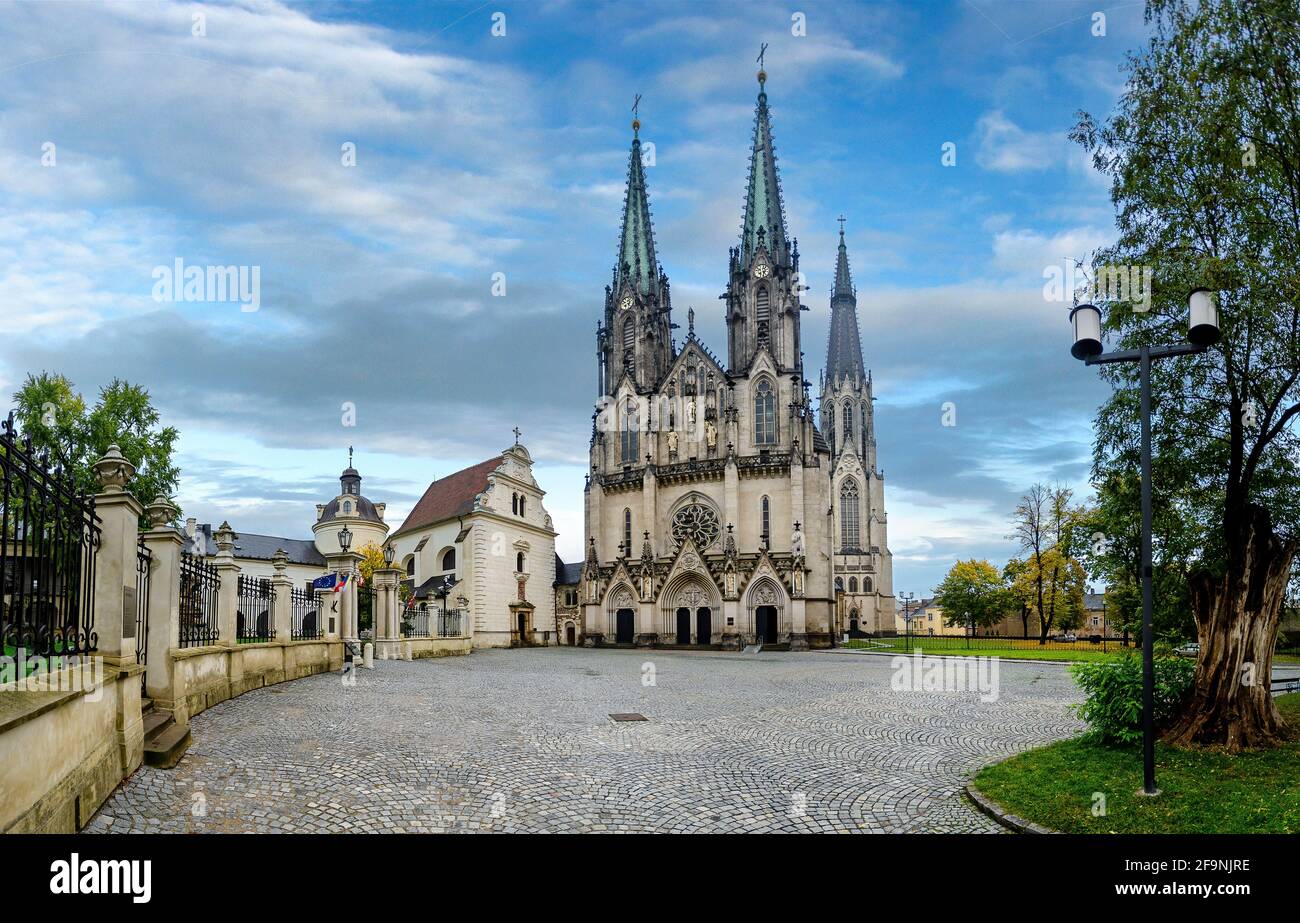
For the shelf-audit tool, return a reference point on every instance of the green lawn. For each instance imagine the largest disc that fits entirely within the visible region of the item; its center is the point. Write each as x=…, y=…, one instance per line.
x=983, y=647
x=1202, y=791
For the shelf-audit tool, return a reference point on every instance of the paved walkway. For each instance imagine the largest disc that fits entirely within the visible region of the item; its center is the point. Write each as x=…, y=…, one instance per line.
x=522, y=741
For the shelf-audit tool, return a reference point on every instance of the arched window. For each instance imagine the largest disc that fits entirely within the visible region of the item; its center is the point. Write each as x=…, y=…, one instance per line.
x=522, y=501
x=848, y=423
x=865, y=410
x=866, y=584
x=766, y=513
x=627, y=531
x=764, y=414
x=449, y=559
x=347, y=506
x=853, y=584
x=849, y=514
x=410, y=566
x=514, y=503
x=839, y=584
x=630, y=446
x=519, y=562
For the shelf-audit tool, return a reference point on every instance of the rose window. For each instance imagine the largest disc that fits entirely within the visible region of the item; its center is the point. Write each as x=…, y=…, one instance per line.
x=698, y=523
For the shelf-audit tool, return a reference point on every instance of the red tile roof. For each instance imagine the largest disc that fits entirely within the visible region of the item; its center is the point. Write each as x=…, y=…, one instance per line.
x=449, y=497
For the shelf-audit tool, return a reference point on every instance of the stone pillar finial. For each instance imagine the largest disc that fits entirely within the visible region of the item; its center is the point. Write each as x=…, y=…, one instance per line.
x=280, y=560
x=113, y=470
x=225, y=538
x=161, y=512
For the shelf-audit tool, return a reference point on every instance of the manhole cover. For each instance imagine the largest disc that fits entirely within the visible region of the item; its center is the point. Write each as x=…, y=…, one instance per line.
x=629, y=716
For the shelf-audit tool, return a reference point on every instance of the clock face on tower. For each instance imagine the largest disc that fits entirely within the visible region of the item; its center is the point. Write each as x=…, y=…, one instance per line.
x=762, y=271
x=626, y=302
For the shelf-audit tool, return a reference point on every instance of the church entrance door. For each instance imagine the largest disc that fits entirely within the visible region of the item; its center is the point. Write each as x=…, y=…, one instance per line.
x=765, y=618
x=703, y=625
x=683, y=626
x=523, y=628
x=571, y=635
x=625, y=626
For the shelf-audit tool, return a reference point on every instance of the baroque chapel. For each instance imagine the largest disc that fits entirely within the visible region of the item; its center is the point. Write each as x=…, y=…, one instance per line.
x=717, y=511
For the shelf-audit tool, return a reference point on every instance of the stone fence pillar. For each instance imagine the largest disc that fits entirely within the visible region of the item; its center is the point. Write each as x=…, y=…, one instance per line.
x=282, y=605
x=115, y=561
x=165, y=545
x=228, y=596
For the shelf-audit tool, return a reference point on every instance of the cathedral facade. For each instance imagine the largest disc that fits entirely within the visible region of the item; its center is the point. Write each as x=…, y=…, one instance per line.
x=716, y=511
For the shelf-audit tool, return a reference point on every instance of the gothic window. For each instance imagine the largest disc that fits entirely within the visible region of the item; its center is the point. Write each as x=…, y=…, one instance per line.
x=864, y=429
x=449, y=559
x=630, y=447
x=629, y=345
x=766, y=507
x=410, y=566
x=764, y=414
x=848, y=423
x=849, y=514
x=866, y=584
x=853, y=584
x=627, y=531
x=763, y=312
x=697, y=522
x=839, y=584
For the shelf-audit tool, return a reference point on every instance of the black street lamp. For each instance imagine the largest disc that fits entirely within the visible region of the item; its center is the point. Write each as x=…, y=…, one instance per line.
x=1203, y=331
x=345, y=539
x=389, y=553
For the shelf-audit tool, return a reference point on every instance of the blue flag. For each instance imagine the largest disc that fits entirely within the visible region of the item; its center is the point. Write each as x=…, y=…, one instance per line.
x=324, y=583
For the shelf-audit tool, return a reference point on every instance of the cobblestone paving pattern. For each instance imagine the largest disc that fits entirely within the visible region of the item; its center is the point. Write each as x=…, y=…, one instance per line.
x=522, y=741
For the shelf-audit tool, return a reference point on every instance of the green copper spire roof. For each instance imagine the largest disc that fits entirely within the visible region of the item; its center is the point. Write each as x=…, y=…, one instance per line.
x=843, y=278
x=843, y=347
x=636, y=251
x=764, y=211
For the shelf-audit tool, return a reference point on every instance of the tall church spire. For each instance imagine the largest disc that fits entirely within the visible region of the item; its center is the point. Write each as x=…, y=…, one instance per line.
x=844, y=347
x=764, y=212
x=637, y=264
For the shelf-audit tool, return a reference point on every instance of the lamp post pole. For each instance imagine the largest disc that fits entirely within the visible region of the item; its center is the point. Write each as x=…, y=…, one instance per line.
x=1203, y=332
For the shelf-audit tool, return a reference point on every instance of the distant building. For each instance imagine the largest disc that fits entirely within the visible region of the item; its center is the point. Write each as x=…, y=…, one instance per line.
x=568, y=608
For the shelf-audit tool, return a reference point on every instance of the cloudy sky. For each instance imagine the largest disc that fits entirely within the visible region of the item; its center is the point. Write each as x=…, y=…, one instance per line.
x=136, y=134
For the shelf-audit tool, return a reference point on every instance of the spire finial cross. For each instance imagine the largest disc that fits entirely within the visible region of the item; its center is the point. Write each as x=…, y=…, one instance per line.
x=636, y=103
x=841, y=220
x=761, y=52
x=516, y=432
x=349, y=456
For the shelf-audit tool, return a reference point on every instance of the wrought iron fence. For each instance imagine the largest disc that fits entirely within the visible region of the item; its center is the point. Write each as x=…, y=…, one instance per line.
x=921, y=638
x=253, y=617
x=143, y=559
x=306, y=615
x=449, y=624
x=365, y=608
x=49, y=535
x=415, y=621
x=200, y=586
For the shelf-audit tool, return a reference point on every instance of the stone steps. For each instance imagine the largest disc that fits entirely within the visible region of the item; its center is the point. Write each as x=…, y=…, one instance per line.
x=165, y=741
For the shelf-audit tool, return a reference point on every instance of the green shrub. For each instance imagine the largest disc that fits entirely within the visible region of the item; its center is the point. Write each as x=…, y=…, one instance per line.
x=1113, y=708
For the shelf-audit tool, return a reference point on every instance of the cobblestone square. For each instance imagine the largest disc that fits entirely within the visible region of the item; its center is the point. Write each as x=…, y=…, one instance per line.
x=522, y=741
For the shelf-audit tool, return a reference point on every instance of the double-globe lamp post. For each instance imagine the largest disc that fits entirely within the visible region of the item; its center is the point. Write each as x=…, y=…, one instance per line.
x=1203, y=332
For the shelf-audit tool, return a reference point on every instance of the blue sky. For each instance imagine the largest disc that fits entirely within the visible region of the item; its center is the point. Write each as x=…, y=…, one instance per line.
x=479, y=154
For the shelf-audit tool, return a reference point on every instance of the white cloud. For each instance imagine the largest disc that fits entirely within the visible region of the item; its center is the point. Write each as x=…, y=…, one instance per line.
x=1007, y=148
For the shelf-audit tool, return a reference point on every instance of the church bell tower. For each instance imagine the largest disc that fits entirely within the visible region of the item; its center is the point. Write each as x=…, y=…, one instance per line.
x=762, y=294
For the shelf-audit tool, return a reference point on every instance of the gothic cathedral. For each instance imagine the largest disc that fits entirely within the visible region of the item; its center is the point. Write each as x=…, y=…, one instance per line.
x=717, y=511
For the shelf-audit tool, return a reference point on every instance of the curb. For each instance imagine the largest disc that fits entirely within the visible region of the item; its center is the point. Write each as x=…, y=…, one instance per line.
x=1005, y=818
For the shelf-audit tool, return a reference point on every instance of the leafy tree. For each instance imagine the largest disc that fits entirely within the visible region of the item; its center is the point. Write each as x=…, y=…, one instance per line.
x=1204, y=160
x=973, y=594
x=1050, y=579
x=372, y=557
x=49, y=411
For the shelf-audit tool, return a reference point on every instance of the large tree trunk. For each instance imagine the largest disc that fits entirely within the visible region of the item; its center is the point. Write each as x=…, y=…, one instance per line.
x=1237, y=621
